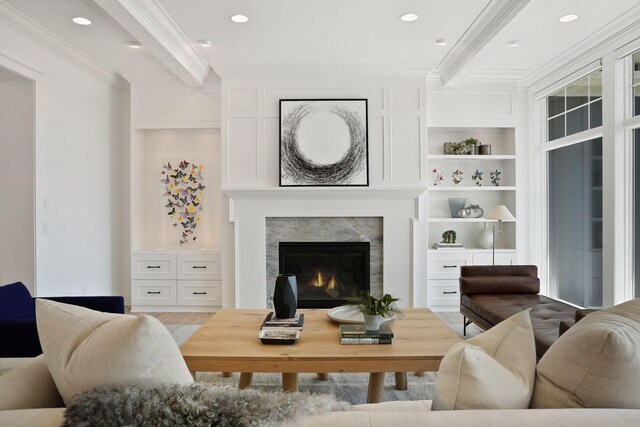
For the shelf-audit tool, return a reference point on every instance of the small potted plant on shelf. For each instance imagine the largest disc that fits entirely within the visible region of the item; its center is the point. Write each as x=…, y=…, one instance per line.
x=374, y=309
x=473, y=144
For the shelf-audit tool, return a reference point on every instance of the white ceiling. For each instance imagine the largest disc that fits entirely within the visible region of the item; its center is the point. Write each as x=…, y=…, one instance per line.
x=333, y=32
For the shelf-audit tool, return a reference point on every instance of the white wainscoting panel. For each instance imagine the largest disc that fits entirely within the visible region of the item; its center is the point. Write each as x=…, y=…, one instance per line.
x=242, y=137
x=405, y=148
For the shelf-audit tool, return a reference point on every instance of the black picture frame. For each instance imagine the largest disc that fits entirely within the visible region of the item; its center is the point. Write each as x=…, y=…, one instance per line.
x=297, y=169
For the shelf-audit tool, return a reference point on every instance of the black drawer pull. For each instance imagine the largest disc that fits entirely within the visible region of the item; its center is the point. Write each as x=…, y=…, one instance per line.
x=450, y=292
x=154, y=292
x=199, y=293
x=199, y=266
x=153, y=266
x=450, y=266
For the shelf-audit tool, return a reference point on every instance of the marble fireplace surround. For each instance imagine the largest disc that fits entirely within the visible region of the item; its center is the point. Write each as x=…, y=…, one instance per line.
x=250, y=210
x=324, y=229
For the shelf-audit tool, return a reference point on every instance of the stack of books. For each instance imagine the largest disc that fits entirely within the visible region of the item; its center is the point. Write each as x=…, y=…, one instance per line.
x=447, y=246
x=358, y=334
x=273, y=323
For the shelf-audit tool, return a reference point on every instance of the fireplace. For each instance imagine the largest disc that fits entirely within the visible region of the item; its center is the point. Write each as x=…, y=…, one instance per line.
x=326, y=272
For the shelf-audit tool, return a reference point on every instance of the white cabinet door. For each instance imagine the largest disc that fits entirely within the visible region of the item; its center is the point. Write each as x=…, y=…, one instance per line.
x=443, y=292
x=153, y=266
x=501, y=258
x=199, y=292
x=199, y=266
x=447, y=265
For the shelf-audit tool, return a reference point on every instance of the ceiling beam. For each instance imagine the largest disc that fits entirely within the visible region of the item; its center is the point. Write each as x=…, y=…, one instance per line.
x=478, y=42
x=152, y=26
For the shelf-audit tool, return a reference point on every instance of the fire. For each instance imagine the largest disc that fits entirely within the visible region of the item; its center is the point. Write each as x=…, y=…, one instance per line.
x=332, y=283
x=319, y=282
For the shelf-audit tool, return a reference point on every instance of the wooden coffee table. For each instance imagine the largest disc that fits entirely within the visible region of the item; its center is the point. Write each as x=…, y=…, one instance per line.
x=229, y=342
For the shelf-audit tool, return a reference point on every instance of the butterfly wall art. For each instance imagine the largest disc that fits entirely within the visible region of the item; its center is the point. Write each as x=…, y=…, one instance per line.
x=184, y=194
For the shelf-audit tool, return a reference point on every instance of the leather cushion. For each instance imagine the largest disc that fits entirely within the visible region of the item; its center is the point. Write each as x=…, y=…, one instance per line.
x=546, y=313
x=474, y=285
x=499, y=270
x=16, y=302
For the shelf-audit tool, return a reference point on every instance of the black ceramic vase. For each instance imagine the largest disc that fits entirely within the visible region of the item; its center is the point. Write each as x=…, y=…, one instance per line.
x=285, y=296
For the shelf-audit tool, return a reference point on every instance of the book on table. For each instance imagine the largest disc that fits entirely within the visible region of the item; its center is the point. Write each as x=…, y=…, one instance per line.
x=271, y=322
x=359, y=334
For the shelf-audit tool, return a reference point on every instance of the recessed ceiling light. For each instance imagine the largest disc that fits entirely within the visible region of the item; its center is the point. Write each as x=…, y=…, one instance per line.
x=134, y=44
x=442, y=42
x=513, y=43
x=568, y=18
x=81, y=21
x=239, y=19
x=408, y=17
x=205, y=42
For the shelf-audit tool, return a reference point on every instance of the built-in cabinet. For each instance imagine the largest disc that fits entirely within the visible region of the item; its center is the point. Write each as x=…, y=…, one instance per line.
x=484, y=180
x=171, y=272
x=444, y=273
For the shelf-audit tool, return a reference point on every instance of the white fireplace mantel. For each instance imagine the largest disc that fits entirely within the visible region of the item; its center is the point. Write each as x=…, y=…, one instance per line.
x=399, y=207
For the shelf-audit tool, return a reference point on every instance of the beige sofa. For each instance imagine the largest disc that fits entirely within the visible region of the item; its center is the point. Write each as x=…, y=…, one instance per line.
x=31, y=389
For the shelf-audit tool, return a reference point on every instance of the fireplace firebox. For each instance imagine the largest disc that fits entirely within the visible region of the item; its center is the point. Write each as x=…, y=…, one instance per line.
x=326, y=272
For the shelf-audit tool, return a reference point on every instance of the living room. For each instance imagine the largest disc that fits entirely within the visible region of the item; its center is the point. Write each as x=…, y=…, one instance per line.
x=494, y=133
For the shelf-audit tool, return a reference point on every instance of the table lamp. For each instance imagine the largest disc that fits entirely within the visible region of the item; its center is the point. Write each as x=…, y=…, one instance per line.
x=498, y=213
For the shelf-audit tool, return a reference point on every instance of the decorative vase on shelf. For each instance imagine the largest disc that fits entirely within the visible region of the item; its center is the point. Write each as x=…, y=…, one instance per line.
x=485, y=237
x=372, y=321
x=455, y=204
x=485, y=149
x=285, y=296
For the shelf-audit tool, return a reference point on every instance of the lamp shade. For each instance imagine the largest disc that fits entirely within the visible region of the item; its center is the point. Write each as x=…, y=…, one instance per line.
x=500, y=213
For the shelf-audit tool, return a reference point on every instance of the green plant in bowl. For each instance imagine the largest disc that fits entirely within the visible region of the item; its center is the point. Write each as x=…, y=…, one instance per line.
x=374, y=309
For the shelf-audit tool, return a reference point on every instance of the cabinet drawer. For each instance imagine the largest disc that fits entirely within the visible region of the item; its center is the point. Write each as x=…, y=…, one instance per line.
x=444, y=292
x=198, y=292
x=153, y=292
x=202, y=266
x=153, y=266
x=447, y=266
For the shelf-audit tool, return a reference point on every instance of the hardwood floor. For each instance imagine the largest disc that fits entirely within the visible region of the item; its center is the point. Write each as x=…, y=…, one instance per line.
x=177, y=318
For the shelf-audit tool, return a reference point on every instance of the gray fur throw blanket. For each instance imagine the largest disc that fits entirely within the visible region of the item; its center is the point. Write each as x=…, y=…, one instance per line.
x=193, y=405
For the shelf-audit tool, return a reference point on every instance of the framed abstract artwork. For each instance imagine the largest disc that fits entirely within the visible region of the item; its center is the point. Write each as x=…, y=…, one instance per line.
x=324, y=143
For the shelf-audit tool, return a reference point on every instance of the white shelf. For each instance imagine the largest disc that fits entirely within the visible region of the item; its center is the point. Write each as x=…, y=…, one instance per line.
x=471, y=157
x=464, y=220
x=471, y=188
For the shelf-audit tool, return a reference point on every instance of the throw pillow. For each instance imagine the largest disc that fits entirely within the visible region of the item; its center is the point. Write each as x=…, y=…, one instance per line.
x=195, y=404
x=16, y=302
x=594, y=364
x=494, y=370
x=86, y=349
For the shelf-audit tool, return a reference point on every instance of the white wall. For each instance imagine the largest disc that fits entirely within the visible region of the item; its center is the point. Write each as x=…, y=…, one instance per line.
x=17, y=246
x=80, y=152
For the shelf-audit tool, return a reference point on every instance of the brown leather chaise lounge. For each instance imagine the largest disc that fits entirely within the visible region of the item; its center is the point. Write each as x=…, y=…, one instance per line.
x=491, y=294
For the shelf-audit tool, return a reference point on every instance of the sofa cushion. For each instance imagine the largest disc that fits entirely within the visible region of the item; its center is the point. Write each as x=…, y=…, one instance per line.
x=29, y=386
x=16, y=302
x=86, y=349
x=594, y=364
x=494, y=370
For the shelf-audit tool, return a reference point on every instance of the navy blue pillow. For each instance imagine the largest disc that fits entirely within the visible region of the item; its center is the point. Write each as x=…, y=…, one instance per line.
x=16, y=302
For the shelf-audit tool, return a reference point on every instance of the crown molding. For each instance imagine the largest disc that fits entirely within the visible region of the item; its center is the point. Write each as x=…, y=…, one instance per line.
x=322, y=70
x=588, y=50
x=457, y=65
x=150, y=23
x=36, y=32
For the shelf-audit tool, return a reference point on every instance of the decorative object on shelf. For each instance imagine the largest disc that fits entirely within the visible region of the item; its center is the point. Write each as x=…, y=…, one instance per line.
x=484, y=149
x=457, y=176
x=374, y=309
x=472, y=143
x=471, y=211
x=485, y=237
x=323, y=142
x=476, y=177
x=441, y=245
x=183, y=187
x=449, y=237
x=437, y=175
x=456, y=148
x=494, y=176
x=285, y=296
x=455, y=204
x=498, y=213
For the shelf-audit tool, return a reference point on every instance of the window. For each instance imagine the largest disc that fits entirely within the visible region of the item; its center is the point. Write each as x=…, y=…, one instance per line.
x=575, y=222
x=636, y=212
x=635, y=84
x=576, y=107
